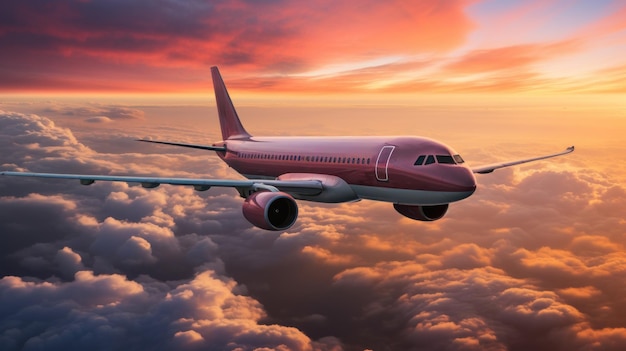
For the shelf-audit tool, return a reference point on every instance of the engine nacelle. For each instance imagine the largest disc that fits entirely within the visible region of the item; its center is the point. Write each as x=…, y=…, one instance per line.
x=270, y=210
x=422, y=213
x=335, y=189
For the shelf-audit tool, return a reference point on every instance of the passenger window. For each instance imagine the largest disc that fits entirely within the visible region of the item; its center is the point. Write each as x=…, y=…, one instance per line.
x=430, y=159
x=420, y=160
x=445, y=159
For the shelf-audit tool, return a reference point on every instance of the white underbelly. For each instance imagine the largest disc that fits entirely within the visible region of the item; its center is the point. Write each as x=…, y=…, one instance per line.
x=408, y=196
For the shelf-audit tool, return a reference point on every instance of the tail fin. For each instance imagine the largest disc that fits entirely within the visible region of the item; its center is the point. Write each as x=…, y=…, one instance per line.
x=229, y=121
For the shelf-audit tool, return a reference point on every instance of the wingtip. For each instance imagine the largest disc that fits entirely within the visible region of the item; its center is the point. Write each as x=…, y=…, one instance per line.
x=571, y=148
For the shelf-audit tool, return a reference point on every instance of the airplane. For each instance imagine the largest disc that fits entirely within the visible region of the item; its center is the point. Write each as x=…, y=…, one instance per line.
x=418, y=175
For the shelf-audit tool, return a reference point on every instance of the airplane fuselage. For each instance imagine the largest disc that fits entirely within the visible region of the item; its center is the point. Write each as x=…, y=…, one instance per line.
x=376, y=168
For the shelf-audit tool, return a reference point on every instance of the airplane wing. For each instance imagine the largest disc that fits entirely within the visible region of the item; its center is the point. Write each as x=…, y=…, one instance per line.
x=302, y=187
x=492, y=167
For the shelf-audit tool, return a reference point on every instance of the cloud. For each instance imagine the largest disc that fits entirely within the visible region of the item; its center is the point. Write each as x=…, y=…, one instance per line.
x=69, y=262
x=113, y=266
x=507, y=58
x=110, y=311
x=98, y=119
x=479, y=308
x=287, y=46
x=174, y=268
x=278, y=37
x=102, y=113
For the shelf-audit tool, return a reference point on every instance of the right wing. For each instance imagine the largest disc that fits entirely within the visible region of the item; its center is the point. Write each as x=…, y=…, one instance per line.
x=492, y=167
x=245, y=187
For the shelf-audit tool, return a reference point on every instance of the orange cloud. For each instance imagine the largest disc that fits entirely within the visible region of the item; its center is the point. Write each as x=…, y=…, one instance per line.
x=516, y=58
x=580, y=293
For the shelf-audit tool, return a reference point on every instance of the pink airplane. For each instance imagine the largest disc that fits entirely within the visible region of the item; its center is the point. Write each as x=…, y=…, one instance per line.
x=420, y=176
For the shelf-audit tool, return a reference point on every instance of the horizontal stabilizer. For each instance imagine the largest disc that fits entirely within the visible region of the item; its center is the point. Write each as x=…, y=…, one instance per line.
x=193, y=146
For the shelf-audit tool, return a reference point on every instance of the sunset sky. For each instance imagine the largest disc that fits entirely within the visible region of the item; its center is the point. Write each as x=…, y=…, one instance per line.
x=399, y=47
x=534, y=260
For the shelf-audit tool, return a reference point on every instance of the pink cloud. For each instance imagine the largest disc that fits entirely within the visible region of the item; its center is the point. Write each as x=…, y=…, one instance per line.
x=279, y=37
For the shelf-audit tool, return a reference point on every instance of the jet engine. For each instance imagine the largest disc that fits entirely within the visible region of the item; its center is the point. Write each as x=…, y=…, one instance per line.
x=422, y=213
x=270, y=210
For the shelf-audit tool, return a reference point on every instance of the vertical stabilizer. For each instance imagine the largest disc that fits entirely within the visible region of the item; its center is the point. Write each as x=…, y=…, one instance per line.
x=229, y=121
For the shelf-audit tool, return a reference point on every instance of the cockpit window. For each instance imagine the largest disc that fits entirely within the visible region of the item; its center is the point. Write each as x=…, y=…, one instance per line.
x=420, y=160
x=445, y=159
x=441, y=159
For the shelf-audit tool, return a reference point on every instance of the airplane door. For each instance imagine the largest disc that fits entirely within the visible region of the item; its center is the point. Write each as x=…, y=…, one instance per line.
x=382, y=163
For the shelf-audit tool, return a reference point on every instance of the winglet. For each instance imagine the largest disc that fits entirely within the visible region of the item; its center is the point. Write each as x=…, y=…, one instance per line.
x=229, y=120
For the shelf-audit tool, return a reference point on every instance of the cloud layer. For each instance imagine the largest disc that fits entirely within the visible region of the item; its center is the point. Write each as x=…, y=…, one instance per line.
x=117, y=266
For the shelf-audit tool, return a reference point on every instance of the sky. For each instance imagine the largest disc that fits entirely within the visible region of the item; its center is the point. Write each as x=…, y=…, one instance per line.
x=535, y=259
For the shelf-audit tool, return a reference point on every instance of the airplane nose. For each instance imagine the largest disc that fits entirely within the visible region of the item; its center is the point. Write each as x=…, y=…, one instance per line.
x=461, y=180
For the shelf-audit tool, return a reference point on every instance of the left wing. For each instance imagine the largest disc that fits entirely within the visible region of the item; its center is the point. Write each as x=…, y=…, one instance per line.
x=492, y=167
x=302, y=187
